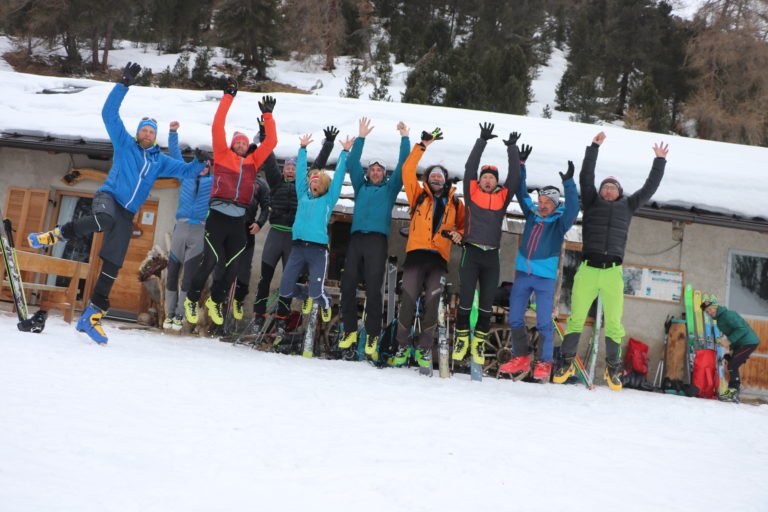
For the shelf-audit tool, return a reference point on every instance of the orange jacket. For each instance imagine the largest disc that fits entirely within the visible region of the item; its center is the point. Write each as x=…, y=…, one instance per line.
x=421, y=236
x=234, y=177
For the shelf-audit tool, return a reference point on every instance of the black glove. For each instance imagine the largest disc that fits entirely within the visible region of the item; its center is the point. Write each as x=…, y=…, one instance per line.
x=262, y=130
x=330, y=133
x=525, y=152
x=512, y=139
x=486, y=131
x=230, y=87
x=202, y=156
x=436, y=134
x=130, y=74
x=569, y=174
x=267, y=104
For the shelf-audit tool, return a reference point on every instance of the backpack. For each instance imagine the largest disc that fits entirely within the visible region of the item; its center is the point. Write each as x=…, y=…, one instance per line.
x=636, y=359
x=705, y=376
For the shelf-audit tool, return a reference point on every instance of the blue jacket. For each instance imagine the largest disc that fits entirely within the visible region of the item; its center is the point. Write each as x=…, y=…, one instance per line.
x=135, y=169
x=542, y=238
x=313, y=213
x=194, y=193
x=373, y=203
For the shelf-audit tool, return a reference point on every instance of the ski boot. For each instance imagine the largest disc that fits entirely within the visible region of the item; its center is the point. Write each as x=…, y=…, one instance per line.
x=237, y=309
x=280, y=325
x=729, y=395
x=257, y=325
x=306, y=306
x=215, y=311
x=168, y=323
x=565, y=370
x=371, y=344
x=178, y=323
x=348, y=339
x=401, y=357
x=45, y=239
x=613, y=374
x=461, y=345
x=190, y=311
x=90, y=324
x=542, y=370
x=424, y=359
x=519, y=366
x=477, y=347
x=326, y=314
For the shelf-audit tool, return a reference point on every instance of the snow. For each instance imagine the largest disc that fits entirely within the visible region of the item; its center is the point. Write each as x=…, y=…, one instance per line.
x=162, y=422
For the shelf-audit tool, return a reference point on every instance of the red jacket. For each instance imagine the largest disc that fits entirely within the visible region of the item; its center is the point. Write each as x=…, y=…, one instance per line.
x=234, y=177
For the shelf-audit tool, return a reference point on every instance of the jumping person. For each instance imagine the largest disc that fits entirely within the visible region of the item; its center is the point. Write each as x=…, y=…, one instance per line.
x=434, y=209
x=283, y=205
x=536, y=266
x=486, y=203
x=136, y=163
x=187, y=238
x=375, y=195
x=605, y=226
x=742, y=341
x=234, y=172
x=317, y=194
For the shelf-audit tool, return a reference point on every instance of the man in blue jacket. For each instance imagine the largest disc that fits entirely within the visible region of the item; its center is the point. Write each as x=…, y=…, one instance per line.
x=136, y=163
x=546, y=224
x=187, y=239
x=375, y=195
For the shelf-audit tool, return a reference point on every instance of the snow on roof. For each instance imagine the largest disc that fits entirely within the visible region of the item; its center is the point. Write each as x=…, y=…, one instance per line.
x=708, y=175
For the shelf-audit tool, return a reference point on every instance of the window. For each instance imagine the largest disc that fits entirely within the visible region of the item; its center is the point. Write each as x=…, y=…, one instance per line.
x=748, y=283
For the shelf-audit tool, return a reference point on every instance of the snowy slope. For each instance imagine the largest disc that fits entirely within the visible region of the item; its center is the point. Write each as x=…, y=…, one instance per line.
x=156, y=422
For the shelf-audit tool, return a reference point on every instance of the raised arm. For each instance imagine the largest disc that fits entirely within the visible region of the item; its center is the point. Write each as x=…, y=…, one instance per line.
x=396, y=180
x=587, y=174
x=267, y=105
x=523, y=197
x=110, y=113
x=174, y=151
x=272, y=171
x=571, y=199
x=330, y=133
x=512, y=182
x=651, y=184
x=334, y=190
x=473, y=162
x=301, y=167
x=411, y=183
x=218, y=132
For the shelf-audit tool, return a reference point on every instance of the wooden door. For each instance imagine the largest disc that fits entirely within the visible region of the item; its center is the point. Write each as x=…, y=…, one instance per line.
x=26, y=207
x=754, y=373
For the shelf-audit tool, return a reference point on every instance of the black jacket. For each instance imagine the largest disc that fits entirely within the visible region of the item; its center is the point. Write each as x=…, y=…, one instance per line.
x=284, y=202
x=605, y=224
x=259, y=202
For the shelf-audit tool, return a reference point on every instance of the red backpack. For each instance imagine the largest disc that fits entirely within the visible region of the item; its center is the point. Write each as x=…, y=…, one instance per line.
x=636, y=359
x=705, y=373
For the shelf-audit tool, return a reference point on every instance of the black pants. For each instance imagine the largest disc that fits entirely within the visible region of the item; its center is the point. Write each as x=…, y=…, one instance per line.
x=739, y=356
x=243, y=276
x=224, y=241
x=366, y=258
x=277, y=247
x=430, y=278
x=479, y=268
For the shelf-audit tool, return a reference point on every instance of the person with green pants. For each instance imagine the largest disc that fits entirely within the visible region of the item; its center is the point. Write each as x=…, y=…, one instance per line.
x=605, y=226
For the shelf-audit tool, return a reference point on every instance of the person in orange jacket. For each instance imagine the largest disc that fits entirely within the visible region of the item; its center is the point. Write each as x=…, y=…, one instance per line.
x=234, y=184
x=434, y=209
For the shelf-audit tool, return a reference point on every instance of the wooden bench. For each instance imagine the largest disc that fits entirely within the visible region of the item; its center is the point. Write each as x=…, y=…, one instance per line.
x=63, y=298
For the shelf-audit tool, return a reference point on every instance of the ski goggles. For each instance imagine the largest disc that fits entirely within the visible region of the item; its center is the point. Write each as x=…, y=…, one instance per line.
x=377, y=161
x=145, y=118
x=489, y=168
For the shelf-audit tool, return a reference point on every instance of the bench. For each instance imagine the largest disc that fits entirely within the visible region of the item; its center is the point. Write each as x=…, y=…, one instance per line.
x=63, y=298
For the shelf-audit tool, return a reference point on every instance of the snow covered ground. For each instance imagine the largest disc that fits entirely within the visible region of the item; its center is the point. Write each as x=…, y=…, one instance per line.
x=156, y=422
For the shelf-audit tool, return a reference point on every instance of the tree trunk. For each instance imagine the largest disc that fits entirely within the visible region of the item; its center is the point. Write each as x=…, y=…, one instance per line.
x=330, y=36
x=107, y=45
x=623, y=92
x=95, y=51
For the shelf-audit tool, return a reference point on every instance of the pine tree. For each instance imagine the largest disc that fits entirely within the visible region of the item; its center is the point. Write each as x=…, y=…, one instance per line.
x=353, y=84
x=249, y=30
x=382, y=71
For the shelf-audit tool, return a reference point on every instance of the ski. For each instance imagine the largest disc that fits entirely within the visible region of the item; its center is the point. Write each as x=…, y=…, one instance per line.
x=309, y=335
x=35, y=323
x=691, y=326
x=698, y=316
x=595, y=340
x=716, y=334
x=442, y=341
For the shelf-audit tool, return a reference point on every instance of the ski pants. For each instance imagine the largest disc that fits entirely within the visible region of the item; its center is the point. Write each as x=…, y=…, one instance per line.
x=739, y=356
x=244, y=265
x=366, y=258
x=304, y=255
x=479, y=268
x=277, y=247
x=116, y=223
x=544, y=290
x=587, y=283
x=186, y=254
x=224, y=242
x=425, y=277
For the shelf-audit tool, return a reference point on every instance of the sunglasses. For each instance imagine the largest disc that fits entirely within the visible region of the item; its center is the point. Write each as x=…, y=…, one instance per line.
x=145, y=118
x=489, y=168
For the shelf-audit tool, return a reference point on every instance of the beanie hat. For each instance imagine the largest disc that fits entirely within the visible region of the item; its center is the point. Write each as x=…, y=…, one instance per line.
x=486, y=169
x=147, y=121
x=611, y=179
x=437, y=169
x=237, y=135
x=290, y=161
x=552, y=193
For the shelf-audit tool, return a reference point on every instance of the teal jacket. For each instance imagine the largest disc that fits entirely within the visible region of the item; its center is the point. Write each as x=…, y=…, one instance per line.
x=373, y=203
x=735, y=327
x=313, y=213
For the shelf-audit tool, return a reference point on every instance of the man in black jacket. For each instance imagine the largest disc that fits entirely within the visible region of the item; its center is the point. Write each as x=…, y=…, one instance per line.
x=607, y=215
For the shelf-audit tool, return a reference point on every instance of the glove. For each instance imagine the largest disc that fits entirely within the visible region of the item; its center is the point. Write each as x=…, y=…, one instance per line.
x=130, y=74
x=330, y=133
x=525, y=152
x=230, y=87
x=436, y=134
x=569, y=174
x=486, y=131
x=512, y=139
x=202, y=156
x=267, y=104
x=262, y=130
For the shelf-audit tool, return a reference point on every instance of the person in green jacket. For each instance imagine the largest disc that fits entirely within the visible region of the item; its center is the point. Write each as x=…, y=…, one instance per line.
x=742, y=341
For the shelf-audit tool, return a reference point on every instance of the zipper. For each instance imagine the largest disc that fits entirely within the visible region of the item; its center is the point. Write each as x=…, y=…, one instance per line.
x=608, y=229
x=142, y=172
x=239, y=179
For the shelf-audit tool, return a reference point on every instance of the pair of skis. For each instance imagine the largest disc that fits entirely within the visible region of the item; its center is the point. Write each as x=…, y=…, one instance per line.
x=27, y=323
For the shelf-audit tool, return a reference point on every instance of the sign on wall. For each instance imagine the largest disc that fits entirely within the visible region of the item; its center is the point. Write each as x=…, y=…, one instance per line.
x=653, y=283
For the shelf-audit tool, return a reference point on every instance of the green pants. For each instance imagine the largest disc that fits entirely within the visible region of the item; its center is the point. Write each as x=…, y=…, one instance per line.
x=587, y=283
